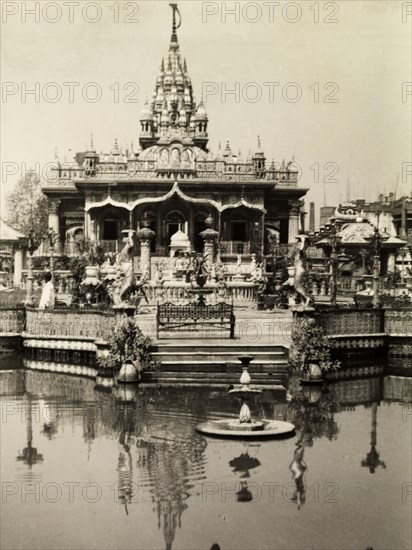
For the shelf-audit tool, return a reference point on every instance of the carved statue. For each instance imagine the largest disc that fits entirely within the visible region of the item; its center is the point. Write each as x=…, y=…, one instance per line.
x=298, y=254
x=125, y=282
x=200, y=270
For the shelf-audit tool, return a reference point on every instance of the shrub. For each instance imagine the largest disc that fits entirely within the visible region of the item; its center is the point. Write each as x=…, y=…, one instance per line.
x=309, y=343
x=127, y=342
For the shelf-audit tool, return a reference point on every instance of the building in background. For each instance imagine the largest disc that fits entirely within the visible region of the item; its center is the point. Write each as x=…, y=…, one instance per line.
x=176, y=182
x=12, y=251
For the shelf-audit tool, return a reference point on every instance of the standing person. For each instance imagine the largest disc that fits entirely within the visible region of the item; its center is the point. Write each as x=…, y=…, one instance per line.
x=47, y=295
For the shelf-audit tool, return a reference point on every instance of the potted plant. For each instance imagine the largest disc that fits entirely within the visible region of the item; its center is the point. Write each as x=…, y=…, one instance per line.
x=88, y=289
x=94, y=256
x=128, y=352
x=310, y=351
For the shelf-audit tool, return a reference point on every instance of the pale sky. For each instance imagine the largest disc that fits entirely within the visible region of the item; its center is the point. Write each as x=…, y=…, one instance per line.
x=365, y=55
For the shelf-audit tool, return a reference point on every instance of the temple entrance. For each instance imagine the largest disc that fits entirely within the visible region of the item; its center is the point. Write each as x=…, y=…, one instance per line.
x=110, y=230
x=238, y=231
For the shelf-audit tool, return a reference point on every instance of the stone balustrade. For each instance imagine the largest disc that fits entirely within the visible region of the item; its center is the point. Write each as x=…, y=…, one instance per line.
x=178, y=292
x=398, y=321
x=69, y=323
x=351, y=321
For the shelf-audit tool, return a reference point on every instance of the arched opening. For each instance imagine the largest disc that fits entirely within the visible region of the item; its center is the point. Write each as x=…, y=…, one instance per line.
x=242, y=231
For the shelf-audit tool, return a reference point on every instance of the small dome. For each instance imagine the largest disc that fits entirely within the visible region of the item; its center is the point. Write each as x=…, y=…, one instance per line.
x=146, y=113
x=201, y=112
x=179, y=239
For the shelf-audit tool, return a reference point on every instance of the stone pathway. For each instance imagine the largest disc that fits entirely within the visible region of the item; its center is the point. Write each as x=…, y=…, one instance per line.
x=253, y=328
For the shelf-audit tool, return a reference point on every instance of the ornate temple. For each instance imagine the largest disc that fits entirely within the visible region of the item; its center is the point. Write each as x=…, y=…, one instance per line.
x=175, y=182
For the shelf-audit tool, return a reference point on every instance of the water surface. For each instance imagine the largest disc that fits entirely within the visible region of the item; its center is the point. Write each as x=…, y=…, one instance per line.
x=82, y=469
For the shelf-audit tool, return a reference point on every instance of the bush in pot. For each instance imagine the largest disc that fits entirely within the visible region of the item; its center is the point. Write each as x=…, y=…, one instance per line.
x=310, y=352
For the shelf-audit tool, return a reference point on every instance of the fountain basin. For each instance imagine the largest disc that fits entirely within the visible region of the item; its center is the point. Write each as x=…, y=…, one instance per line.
x=254, y=429
x=244, y=393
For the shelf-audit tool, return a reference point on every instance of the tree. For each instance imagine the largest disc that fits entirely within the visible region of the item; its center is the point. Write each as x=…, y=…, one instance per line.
x=28, y=206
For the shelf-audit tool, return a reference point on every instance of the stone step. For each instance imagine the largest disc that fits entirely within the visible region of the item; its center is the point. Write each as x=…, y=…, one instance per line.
x=206, y=348
x=222, y=366
x=209, y=381
x=207, y=367
x=225, y=357
x=277, y=388
x=229, y=375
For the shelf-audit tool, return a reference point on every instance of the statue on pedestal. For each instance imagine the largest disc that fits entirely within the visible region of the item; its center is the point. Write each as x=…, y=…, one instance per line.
x=125, y=283
x=298, y=255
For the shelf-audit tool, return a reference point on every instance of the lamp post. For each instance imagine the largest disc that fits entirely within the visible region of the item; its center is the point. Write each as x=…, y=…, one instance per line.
x=376, y=241
x=32, y=245
x=334, y=243
x=145, y=235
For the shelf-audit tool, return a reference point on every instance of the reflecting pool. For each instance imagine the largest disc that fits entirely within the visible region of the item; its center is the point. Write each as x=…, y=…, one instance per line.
x=86, y=469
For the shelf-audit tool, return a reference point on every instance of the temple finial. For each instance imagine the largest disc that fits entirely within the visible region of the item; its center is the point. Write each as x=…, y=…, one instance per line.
x=174, y=26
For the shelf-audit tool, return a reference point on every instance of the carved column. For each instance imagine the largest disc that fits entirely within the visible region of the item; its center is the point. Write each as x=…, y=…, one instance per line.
x=209, y=237
x=90, y=231
x=145, y=236
x=294, y=214
x=54, y=223
x=18, y=265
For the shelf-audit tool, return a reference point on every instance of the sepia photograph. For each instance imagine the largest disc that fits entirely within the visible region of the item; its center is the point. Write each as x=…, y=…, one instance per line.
x=206, y=275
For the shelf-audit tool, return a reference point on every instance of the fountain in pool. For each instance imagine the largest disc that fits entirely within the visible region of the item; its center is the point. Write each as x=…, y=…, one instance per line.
x=245, y=425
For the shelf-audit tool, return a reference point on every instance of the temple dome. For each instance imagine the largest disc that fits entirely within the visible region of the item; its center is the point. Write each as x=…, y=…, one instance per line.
x=179, y=239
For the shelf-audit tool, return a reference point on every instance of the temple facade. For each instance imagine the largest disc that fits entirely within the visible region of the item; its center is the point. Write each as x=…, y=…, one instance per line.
x=175, y=183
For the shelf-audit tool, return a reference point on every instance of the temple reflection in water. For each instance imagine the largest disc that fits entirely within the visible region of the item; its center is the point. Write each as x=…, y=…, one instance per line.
x=143, y=442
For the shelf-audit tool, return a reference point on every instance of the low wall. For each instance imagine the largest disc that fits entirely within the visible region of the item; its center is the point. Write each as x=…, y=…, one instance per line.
x=69, y=324
x=398, y=322
x=351, y=321
x=12, y=321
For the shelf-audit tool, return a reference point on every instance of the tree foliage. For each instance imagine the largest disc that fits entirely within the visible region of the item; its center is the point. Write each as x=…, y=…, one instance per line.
x=28, y=206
